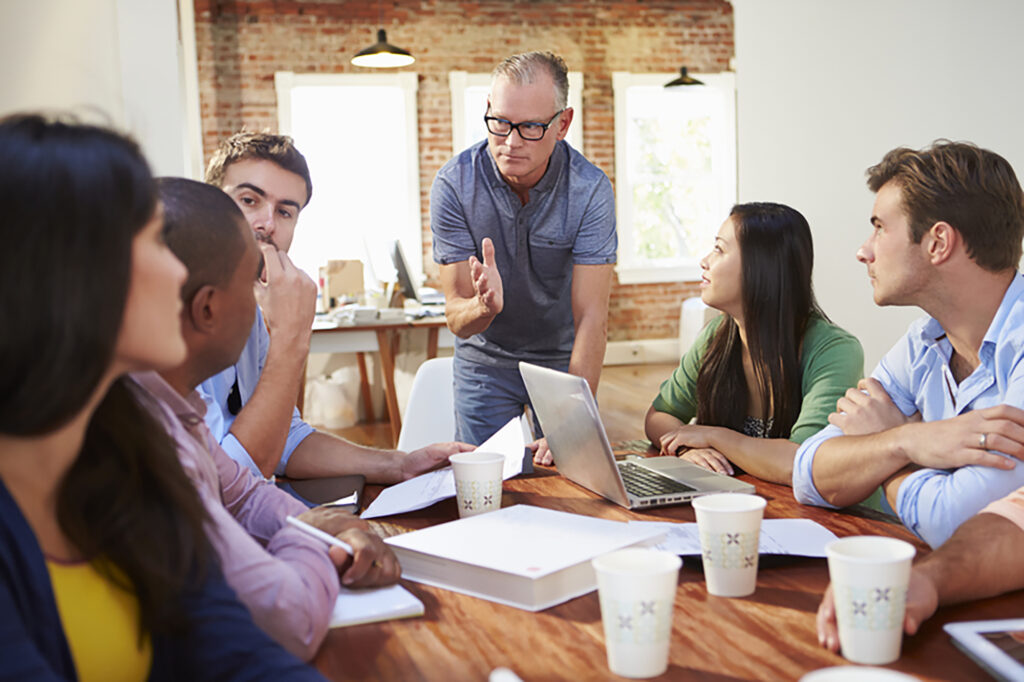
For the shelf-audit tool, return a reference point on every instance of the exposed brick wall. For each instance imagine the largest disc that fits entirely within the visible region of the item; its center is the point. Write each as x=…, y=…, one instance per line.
x=241, y=43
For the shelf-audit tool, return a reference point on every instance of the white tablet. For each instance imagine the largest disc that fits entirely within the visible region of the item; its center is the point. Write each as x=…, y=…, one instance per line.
x=995, y=645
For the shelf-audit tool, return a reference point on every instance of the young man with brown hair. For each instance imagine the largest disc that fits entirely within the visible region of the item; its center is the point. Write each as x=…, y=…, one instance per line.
x=251, y=405
x=939, y=423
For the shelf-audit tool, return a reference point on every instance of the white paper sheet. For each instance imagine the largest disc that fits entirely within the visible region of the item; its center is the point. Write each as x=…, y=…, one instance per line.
x=796, y=537
x=434, y=486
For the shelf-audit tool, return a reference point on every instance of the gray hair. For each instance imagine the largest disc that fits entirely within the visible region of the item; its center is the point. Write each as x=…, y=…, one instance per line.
x=521, y=69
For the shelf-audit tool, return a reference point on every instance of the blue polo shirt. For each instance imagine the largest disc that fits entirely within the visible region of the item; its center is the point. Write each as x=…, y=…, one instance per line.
x=569, y=220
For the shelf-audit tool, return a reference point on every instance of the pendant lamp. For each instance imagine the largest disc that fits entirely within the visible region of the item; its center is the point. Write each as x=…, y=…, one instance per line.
x=383, y=55
x=683, y=79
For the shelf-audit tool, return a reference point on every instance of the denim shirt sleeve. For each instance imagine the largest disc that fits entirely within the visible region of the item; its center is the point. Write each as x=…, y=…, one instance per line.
x=934, y=502
x=804, y=489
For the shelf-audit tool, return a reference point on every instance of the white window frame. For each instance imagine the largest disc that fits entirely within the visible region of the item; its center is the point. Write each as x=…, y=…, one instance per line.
x=410, y=232
x=632, y=270
x=465, y=133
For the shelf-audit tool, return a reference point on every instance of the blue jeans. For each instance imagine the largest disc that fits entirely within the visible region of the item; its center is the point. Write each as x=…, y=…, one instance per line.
x=486, y=398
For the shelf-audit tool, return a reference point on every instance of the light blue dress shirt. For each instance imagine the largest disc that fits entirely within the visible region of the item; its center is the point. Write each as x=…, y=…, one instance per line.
x=216, y=389
x=915, y=373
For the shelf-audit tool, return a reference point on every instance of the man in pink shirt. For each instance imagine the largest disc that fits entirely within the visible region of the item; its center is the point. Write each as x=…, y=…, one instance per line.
x=288, y=580
x=983, y=558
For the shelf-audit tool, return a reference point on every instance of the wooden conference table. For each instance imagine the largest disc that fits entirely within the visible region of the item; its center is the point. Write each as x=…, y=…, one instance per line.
x=767, y=636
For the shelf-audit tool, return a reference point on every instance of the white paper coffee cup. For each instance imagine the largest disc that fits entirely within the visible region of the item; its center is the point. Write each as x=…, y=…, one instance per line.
x=730, y=531
x=869, y=582
x=637, y=591
x=477, y=481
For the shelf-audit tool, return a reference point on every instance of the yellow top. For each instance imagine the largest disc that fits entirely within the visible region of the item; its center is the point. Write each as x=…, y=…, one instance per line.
x=101, y=624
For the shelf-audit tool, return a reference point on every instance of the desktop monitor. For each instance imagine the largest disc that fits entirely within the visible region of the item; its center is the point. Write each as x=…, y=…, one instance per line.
x=402, y=269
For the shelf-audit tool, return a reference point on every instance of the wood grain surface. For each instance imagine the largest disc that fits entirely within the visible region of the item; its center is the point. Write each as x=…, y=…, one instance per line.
x=767, y=636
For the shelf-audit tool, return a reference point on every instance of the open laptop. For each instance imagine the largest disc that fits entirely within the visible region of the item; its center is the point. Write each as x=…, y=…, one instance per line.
x=568, y=415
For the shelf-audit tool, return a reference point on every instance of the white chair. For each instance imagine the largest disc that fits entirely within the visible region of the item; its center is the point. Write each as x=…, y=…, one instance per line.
x=694, y=314
x=430, y=412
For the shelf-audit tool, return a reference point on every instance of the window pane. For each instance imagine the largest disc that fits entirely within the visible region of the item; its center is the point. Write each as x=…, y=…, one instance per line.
x=355, y=140
x=474, y=106
x=678, y=178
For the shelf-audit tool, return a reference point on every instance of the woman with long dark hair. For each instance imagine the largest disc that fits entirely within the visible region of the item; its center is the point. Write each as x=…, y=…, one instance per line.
x=105, y=571
x=765, y=374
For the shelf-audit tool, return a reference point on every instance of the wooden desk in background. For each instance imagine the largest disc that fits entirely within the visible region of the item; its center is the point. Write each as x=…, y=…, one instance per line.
x=767, y=636
x=379, y=337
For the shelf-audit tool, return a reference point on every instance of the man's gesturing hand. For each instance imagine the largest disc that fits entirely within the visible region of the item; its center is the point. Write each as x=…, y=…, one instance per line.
x=487, y=280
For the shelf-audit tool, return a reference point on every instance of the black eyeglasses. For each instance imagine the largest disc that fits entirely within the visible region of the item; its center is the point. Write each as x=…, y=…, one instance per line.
x=528, y=130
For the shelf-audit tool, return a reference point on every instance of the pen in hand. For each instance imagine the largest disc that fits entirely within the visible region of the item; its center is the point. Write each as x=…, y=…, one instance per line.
x=319, y=534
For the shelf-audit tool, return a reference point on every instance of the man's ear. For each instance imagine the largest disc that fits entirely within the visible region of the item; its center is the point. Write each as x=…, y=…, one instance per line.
x=563, y=123
x=942, y=242
x=202, y=310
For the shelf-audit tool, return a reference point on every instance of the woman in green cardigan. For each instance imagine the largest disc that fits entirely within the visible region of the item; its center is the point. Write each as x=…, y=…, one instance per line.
x=765, y=374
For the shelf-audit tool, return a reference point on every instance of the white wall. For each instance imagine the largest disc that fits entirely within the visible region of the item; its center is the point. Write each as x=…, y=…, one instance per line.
x=118, y=62
x=826, y=87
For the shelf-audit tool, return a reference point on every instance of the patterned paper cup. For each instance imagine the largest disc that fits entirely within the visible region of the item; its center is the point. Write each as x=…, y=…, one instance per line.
x=637, y=589
x=477, y=481
x=730, y=530
x=869, y=581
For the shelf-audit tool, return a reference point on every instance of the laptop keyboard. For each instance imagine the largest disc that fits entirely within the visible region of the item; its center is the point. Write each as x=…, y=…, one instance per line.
x=642, y=482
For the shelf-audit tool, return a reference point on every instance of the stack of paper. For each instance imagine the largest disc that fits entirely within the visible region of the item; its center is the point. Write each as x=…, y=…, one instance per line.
x=356, y=314
x=528, y=557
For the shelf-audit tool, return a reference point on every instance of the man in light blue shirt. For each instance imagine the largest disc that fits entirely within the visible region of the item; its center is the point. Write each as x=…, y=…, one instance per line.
x=251, y=404
x=939, y=423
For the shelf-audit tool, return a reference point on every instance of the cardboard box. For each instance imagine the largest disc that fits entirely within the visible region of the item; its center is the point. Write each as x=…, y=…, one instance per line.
x=341, y=278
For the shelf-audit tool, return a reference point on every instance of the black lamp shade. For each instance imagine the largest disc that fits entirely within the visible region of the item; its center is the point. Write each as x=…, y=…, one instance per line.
x=683, y=79
x=383, y=55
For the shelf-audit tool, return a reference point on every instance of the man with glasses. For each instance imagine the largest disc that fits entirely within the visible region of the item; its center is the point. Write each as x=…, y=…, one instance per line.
x=524, y=231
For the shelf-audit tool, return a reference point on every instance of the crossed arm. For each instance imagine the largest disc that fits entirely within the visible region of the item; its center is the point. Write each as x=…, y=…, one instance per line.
x=935, y=474
x=882, y=446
